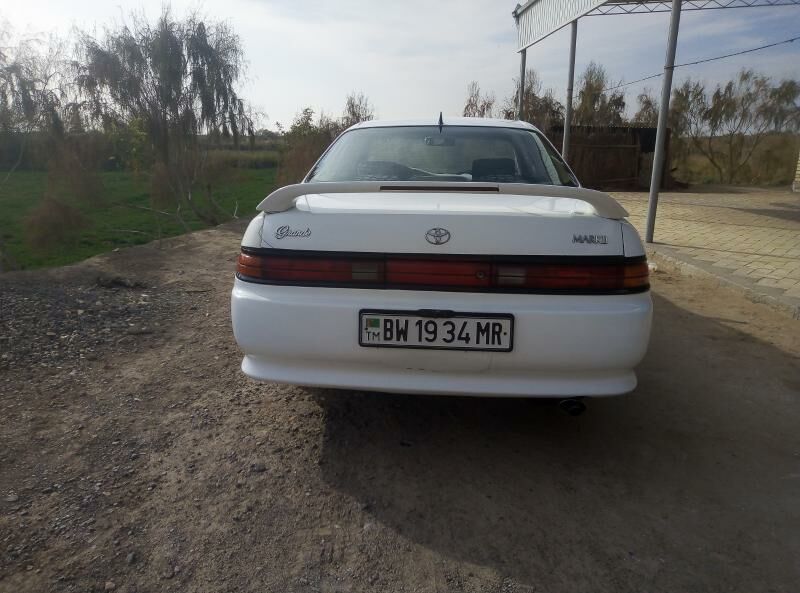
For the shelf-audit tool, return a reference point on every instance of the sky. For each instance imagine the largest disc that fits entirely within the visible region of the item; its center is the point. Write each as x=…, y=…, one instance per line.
x=415, y=58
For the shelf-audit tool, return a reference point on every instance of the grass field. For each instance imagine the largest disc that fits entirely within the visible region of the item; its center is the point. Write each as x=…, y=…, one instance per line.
x=114, y=223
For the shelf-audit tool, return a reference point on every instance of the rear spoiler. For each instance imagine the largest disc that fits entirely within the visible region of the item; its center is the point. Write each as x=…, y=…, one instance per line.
x=283, y=199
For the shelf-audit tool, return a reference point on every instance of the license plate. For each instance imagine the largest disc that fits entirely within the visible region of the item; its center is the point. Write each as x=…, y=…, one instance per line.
x=442, y=331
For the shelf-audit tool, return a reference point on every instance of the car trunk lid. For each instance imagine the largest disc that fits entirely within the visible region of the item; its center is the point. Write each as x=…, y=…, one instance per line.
x=445, y=223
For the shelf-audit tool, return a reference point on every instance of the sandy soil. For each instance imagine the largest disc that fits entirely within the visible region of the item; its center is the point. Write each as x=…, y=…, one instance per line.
x=138, y=458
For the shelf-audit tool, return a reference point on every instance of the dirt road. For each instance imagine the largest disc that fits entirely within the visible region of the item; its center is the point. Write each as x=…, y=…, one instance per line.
x=135, y=457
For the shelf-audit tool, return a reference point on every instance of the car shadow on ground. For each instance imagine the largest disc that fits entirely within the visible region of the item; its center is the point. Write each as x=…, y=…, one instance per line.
x=683, y=481
x=792, y=214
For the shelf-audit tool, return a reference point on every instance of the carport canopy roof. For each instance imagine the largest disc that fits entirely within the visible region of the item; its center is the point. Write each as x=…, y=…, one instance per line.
x=536, y=19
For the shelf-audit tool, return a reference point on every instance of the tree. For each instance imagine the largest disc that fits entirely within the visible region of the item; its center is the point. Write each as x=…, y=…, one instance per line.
x=33, y=90
x=784, y=109
x=307, y=139
x=596, y=106
x=35, y=102
x=647, y=114
x=477, y=104
x=180, y=78
x=357, y=108
x=540, y=109
x=729, y=125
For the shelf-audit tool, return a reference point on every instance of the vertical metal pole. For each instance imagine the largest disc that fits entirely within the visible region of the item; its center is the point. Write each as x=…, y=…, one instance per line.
x=663, y=114
x=570, y=82
x=521, y=96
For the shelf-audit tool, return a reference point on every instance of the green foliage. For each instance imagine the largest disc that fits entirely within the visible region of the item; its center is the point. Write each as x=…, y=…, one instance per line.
x=305, y=142
x=53, y=225
x=647, y=113
x=539, y=108
x=177, y=76
x=29, y=96
x=175, y=82
x=132, y=150
x=597, y=106
x=728, y=125
x=307, y=139
x=126, y=218
x=35, y=96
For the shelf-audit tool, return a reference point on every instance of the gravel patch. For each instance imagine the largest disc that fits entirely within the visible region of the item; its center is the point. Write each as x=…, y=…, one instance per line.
x=49, y=324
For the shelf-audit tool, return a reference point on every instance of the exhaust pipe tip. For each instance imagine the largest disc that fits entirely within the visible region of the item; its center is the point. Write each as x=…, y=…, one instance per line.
x=573, y=406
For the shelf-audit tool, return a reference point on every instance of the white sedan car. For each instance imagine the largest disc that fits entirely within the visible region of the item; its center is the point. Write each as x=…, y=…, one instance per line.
x=455, y=258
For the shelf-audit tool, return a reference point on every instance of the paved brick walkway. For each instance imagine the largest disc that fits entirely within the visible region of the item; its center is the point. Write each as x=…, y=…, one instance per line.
x=750, y=237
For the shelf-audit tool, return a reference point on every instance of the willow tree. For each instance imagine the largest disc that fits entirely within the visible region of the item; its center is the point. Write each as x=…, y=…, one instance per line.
x=540, y=108
x=178, y=80
x=647, y=113
x=478, y=104
x=597, y=104
x=36, y=106
x=33, y=93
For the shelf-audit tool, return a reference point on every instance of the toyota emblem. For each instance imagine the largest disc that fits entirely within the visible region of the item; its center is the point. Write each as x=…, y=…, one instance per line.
x=437, y=236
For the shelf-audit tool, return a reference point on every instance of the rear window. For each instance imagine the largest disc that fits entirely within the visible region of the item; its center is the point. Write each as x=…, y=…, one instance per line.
x=456, y=153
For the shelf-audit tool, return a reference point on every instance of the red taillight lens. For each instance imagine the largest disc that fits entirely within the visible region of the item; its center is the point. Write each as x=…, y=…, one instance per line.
x=438, y=273
x=594, y=277
x=446, y=274
x=310, y=269
x=637, y=276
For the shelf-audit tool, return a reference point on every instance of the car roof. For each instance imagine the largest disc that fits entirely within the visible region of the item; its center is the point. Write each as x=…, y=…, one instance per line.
x=448, y=121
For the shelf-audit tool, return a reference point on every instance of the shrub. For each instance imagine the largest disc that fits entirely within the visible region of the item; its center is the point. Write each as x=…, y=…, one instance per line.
x=53, y=223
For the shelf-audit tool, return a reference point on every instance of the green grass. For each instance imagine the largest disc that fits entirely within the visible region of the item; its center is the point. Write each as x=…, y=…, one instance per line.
x=113, y=223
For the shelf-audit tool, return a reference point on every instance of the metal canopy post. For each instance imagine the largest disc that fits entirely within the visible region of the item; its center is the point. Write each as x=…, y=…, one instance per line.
x=520, y=99
x=663, y=114
x=570, y=82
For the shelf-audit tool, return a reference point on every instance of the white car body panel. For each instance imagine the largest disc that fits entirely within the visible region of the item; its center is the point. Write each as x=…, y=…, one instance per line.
x=396, y=223
x=631, y=243
x=564, y=345
x=478, y=122
x=591, y=201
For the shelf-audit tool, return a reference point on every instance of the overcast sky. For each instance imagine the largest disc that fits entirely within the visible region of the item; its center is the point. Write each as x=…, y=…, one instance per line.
x=415, y=58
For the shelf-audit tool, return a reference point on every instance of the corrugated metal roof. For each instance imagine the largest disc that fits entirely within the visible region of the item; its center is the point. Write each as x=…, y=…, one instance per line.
x=537, y=19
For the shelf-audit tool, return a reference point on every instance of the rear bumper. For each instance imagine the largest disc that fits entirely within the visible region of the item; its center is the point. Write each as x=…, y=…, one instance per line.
x=563, y=345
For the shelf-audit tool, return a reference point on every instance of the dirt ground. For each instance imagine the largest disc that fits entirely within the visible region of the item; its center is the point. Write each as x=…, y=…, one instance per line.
x=135, y=457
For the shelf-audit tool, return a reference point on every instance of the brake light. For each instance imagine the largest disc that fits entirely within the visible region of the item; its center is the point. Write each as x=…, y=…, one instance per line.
x=311, y=270
x=607, y=276
x=401, y=272
x=590, y=277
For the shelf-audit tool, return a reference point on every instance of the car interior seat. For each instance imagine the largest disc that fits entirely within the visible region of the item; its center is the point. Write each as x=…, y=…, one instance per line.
x=502, y=169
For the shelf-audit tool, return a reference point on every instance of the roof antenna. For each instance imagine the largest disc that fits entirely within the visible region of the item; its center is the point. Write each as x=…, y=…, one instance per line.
x=441, y=122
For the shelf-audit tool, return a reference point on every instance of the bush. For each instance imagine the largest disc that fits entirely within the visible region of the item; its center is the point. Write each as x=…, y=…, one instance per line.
x=300, y=157
x=52, y=224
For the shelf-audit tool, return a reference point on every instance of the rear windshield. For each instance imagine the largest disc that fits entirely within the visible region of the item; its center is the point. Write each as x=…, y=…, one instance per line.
x=456, y=153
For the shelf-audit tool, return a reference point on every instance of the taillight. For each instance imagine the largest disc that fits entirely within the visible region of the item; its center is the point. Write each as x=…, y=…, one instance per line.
x=606, y=276
x=299, y=270
x=400, y=272
x=588, y=277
